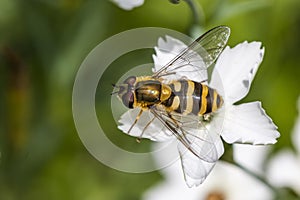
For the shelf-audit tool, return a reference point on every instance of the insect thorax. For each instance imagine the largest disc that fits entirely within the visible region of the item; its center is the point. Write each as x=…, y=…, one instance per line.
x=150, y=91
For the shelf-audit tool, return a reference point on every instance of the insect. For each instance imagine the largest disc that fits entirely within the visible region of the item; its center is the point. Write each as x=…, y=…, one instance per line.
x=183, y=106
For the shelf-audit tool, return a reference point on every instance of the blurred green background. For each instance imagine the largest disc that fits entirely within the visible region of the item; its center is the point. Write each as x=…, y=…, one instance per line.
x=42, y=44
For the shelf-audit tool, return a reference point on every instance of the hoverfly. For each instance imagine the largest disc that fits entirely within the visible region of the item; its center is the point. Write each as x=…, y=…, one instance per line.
x=178, y=102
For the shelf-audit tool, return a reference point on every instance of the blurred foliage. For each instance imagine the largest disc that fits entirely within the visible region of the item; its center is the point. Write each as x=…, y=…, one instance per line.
x=42, y=44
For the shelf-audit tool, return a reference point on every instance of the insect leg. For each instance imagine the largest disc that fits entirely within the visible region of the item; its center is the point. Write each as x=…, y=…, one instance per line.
x=136, y=119
x=177, y=125
x=140, y=137
x=181, y=137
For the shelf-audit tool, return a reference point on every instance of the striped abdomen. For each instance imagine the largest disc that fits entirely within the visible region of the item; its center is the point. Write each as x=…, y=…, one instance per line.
x=192, y=97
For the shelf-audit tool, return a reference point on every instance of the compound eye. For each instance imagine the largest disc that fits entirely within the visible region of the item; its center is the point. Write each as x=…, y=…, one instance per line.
x=128, y=99
x=130, y=80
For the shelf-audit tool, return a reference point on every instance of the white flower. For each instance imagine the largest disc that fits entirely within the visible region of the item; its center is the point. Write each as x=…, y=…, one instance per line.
x=284, y=168
x=252, y=157
x=231, y=77
x=226, y=181
x=128, y=4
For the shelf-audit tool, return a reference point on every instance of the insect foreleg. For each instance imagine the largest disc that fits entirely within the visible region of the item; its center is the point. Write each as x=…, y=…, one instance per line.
x=135, y=121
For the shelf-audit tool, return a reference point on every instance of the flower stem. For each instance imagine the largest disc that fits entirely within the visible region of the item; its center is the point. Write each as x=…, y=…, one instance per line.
x=198, y=15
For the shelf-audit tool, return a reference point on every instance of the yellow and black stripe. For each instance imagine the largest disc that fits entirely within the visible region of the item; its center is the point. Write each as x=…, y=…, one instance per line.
x=192, y=97
x=181, y=96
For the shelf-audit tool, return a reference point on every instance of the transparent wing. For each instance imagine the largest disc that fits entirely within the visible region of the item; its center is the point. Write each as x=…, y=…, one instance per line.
x=192, y=135
x=197, y=57
x=196, y=170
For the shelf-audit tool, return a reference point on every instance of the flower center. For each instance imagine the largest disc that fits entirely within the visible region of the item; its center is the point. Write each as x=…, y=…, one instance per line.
x=215, y=195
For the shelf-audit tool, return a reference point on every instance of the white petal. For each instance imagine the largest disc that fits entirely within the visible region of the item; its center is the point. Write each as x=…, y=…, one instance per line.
x=235, y=70
x=251, y=157
x=166, y=50
x=174, y=189
x=172, y=169
x=168, y=190
x=238, y=185
x=226, y=180
x=128, y=4
x=169, y=49
x=283, y=170
x=156, y=131
x=248, y=123
x=196, y=170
